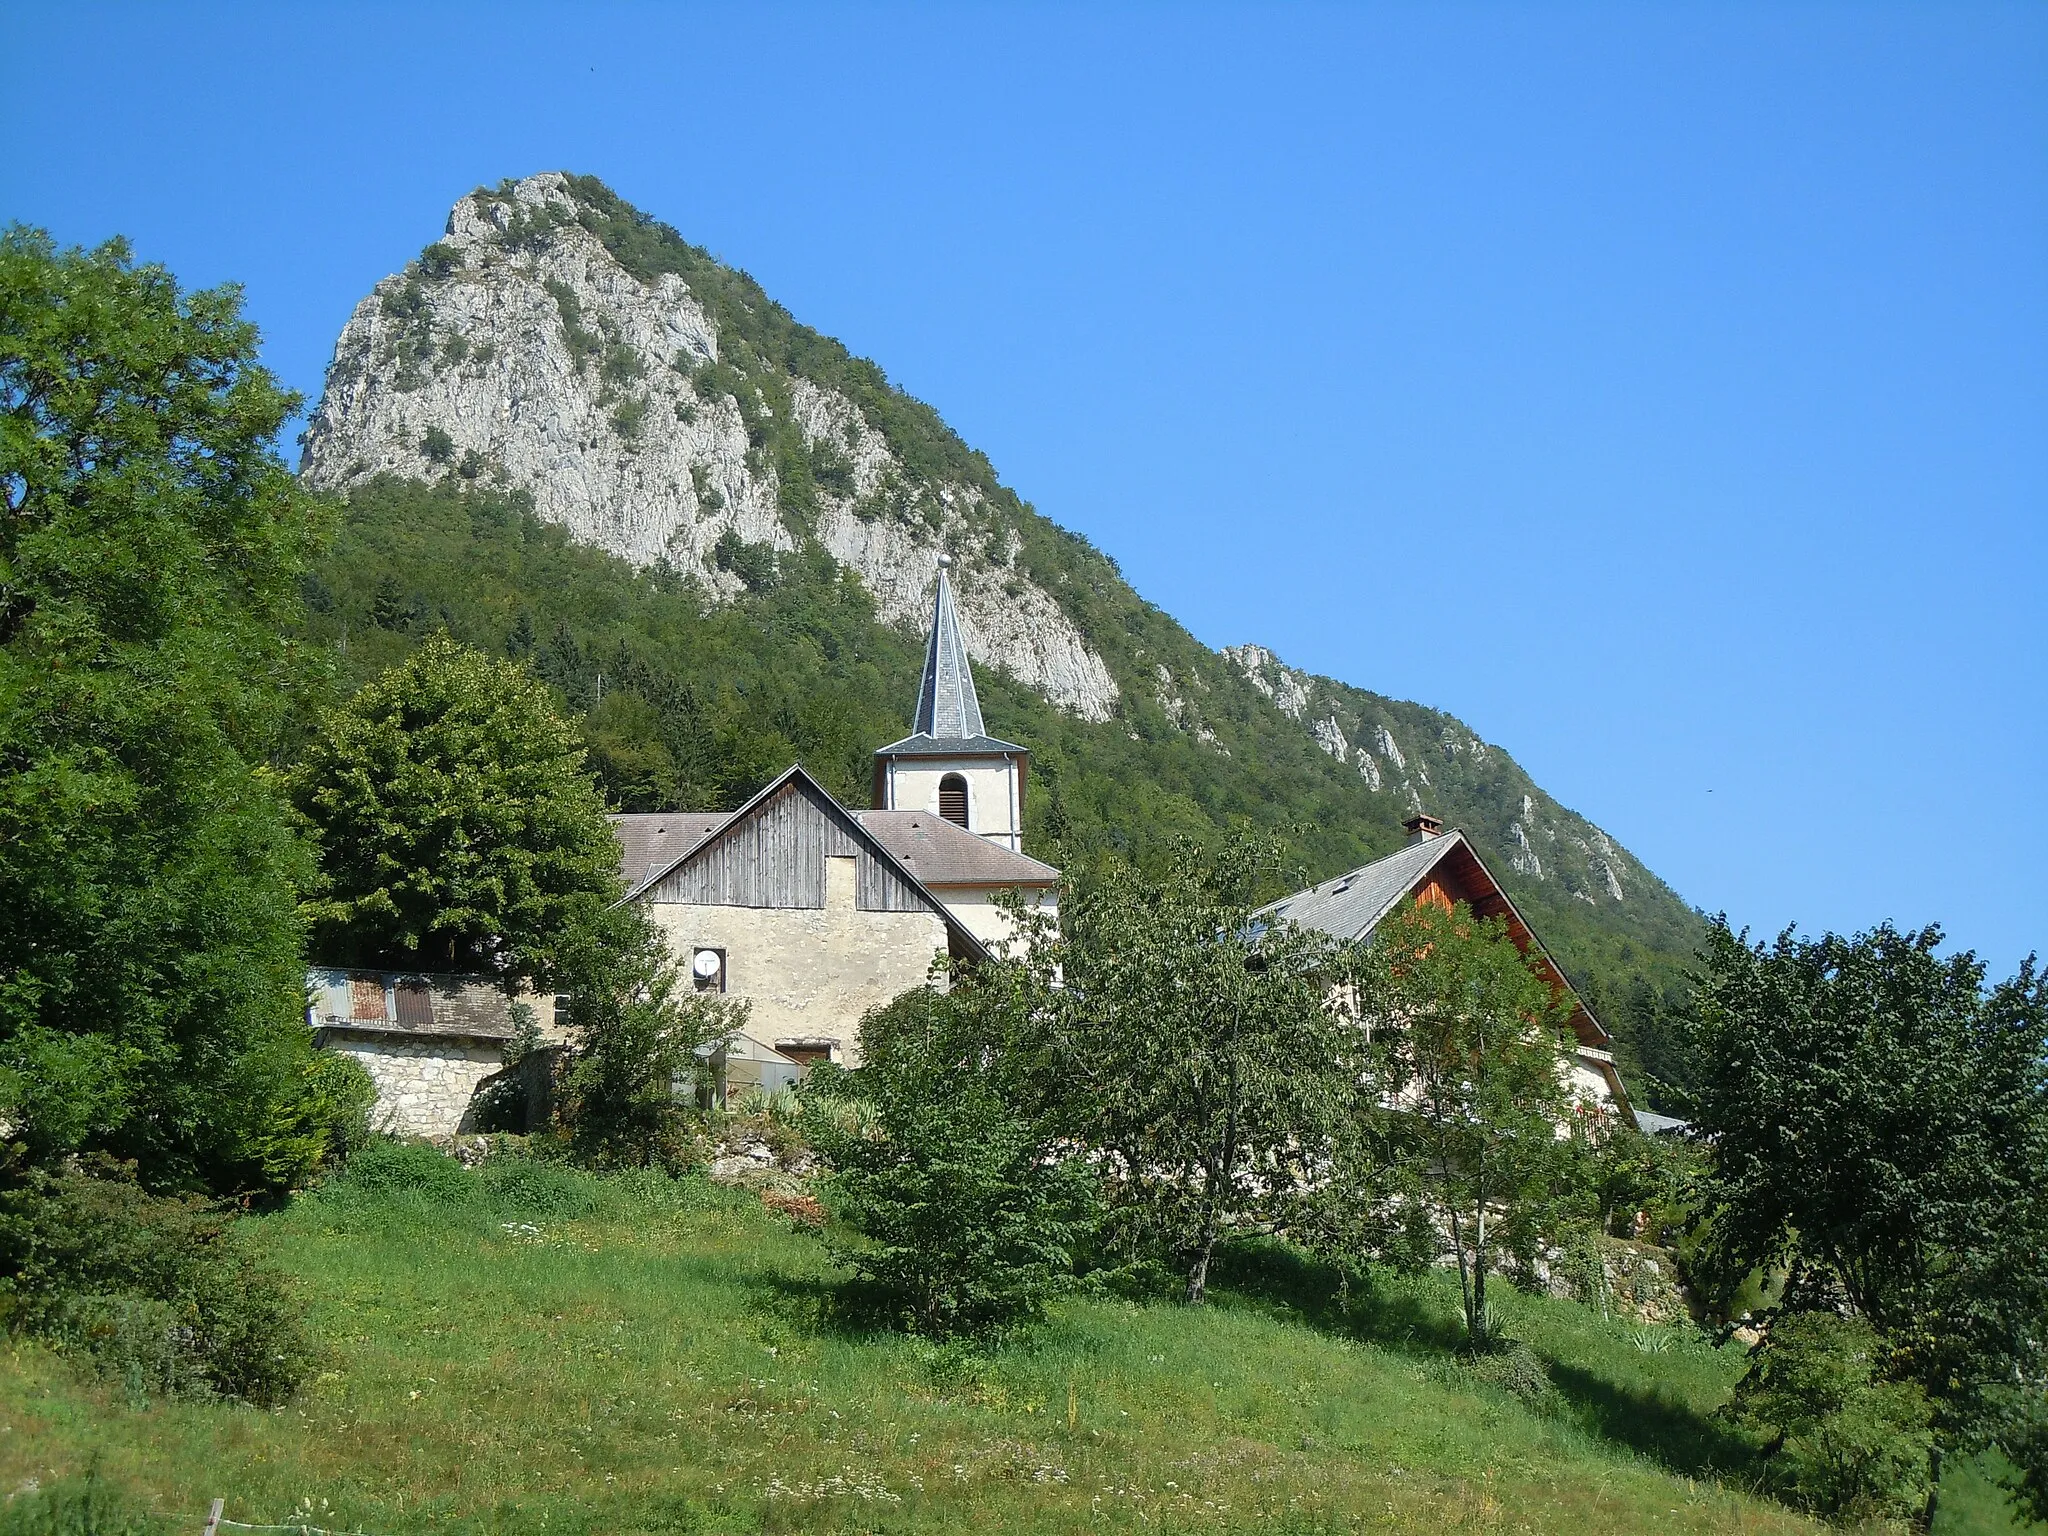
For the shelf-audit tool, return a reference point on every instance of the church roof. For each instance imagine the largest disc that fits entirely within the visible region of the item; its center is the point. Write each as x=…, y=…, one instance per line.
x=940, y=853
x=663, y=841
x=959, y=746
x=947, y=708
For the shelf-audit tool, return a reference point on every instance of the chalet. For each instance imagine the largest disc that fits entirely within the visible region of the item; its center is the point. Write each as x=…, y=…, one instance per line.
x=816, y=913
x=1443, y=869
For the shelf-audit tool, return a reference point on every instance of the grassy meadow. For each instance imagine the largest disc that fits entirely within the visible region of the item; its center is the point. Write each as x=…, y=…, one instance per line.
x=529, y=1349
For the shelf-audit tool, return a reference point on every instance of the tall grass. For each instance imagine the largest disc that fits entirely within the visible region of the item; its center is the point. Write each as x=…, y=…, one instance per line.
x=529, y=1348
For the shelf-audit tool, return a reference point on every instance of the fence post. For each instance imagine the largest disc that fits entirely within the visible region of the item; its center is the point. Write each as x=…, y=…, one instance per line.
x=213, y=1517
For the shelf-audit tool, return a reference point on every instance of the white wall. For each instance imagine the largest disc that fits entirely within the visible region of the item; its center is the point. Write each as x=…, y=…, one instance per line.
x=977, y=912
x=993, y=808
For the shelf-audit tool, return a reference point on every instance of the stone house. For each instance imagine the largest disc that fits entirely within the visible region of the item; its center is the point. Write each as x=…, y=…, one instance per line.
x=428, y=1042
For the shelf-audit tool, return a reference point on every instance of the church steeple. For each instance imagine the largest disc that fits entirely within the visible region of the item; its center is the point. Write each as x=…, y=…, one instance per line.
x=947, y=708
x=949, y=766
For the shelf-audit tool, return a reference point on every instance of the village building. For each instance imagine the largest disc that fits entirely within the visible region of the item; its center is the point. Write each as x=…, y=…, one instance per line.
x=1442, y=868
x=815, y=913
x=428, y=1042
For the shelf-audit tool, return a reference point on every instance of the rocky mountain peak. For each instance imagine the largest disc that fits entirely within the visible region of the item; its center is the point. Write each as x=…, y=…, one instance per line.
x=555, y=342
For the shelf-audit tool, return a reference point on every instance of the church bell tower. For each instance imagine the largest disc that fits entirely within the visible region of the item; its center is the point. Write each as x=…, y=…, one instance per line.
x=949, y=765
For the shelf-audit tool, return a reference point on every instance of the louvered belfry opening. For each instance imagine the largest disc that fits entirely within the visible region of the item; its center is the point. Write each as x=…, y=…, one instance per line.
x=953, y=799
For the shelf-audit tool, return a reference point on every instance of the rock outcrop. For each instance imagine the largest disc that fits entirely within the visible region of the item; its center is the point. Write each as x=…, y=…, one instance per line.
x=519, y=348
x=1410, y=749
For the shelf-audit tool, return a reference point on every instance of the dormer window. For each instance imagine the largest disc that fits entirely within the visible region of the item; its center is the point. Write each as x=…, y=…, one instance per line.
x=953, y=799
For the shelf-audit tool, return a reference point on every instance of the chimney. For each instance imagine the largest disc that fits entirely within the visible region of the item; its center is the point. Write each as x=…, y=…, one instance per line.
x=1421, y=828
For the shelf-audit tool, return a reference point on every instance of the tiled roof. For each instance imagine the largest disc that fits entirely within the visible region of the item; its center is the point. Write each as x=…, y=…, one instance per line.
x=650, y=842
x=942, y=854
x=1350, y=906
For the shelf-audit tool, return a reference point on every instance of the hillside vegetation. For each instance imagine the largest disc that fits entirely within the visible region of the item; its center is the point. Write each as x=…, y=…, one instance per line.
x=560, y=344
x=531, y=1349
x=703, y=701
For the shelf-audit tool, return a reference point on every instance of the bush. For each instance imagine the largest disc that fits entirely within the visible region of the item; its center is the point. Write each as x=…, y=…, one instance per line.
x=1515, y=1368
x=1842, y=1440
x=390, y=1167
x=155, y=1292
x=969, y=1212
x=525, y=1186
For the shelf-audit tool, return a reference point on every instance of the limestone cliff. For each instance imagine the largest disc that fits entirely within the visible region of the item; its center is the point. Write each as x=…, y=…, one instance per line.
x=522, y=349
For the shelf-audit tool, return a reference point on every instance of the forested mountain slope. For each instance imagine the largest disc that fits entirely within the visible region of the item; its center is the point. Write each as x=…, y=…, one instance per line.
x=564, y=431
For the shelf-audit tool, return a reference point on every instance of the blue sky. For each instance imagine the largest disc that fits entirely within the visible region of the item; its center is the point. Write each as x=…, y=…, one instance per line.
x=1662, y=389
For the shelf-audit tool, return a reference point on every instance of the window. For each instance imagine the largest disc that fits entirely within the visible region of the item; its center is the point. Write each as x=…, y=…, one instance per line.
x=953, y=799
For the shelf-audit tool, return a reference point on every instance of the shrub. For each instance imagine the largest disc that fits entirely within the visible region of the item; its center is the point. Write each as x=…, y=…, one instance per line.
x=969, y=1212
x=1842, y=1440
x=153, y=1291
x=540, y=1191
x=630, y=417
x=437, y=445
x=1515, y=1368
x=389, y=1167
x=629, y=1092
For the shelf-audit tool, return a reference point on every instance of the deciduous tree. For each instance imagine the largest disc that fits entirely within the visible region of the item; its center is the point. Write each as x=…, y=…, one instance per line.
x=1477, y=1040
x=1212, y=1056
x=456, y=825
x=1877, y=1125
x=151, y=545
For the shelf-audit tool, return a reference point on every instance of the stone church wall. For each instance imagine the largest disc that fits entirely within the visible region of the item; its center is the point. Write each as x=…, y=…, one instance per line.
x=809, y=972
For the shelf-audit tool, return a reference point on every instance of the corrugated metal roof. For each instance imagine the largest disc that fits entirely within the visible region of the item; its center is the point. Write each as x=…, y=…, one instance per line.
x=409, y=1003
x=940, y=853
x=1350, y=906
x=946, y=704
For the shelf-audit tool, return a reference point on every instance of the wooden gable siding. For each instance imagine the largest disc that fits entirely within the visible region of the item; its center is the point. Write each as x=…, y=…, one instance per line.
x=1461, y=877
x=776, y=856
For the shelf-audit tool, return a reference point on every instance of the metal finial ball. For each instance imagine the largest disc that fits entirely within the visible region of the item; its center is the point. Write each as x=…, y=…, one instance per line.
x=944, y=560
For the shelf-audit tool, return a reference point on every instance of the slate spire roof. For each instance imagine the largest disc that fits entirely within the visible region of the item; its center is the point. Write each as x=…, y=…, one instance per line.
x=949, y=722
x=947, y=708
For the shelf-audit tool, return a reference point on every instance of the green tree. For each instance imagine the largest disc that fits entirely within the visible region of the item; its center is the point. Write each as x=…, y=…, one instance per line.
x=151, y=548
x=457, y=828
x=968, y=1205
x=629, y=1096
x=1877, y=1126
x=1477, y=1036
x=1211, y=1057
